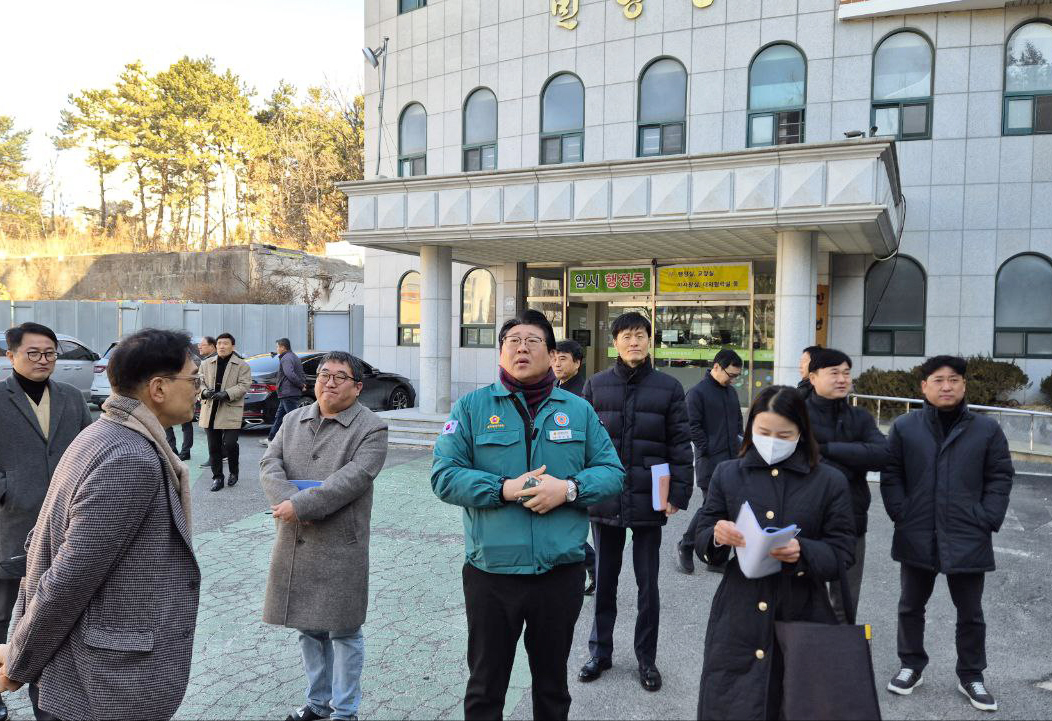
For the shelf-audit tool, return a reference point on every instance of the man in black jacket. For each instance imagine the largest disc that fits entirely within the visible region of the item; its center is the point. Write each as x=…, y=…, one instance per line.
x=569, y=357
x=645, y=414
x=715, y=429
x=804, y=386
x=849, y=441
x=946, y=488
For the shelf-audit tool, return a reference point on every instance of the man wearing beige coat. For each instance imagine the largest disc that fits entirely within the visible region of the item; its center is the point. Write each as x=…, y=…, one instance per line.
x=226, y=379
x=319, y=568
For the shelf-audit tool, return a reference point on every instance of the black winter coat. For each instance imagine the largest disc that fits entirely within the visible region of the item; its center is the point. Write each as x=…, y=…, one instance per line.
x=946, y=496
x=850, y=442
x=575, y=385
x=736, y=677
x=715, y=426
x=645, y=413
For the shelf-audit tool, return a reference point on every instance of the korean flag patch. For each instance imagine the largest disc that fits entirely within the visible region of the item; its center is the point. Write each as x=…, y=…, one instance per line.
x=450, y=427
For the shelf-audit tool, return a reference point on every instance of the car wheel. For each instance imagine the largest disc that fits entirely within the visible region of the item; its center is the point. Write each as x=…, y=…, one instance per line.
x=398, y=399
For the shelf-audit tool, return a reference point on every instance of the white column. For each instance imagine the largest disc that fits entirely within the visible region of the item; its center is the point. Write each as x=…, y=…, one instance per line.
x=796, y=279
x=436, y=327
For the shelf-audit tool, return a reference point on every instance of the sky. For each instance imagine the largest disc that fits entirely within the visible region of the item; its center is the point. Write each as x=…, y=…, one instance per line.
x=55, y=48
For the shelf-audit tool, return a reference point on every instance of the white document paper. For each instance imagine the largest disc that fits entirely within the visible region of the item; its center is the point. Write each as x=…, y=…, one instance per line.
x=755, y=558
x=660, y=475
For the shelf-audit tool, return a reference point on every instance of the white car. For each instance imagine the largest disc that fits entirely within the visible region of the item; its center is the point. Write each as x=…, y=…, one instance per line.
x=74, y=365
x=100, y=385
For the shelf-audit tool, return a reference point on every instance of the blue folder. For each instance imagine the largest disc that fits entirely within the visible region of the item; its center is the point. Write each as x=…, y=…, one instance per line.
x=303, y=485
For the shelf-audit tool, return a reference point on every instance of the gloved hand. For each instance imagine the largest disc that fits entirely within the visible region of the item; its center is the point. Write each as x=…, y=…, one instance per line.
x=221, y=396
x=207, y=394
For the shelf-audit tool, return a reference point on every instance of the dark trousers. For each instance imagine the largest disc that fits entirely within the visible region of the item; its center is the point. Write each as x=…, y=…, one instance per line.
x=497, y=607
x=854, y=583
x=284, y=406
x=188, y=437
x=223, y=442
x=8, y=596
x=966, y=591
x=692, y=528
x=589, y=557
x=609, y=550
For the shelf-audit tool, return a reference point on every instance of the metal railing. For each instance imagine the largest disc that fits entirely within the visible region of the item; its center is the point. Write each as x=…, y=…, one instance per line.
x=1033, y=417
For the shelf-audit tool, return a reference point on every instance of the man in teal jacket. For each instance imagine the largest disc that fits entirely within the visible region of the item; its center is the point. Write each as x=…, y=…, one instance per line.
x=525, y=557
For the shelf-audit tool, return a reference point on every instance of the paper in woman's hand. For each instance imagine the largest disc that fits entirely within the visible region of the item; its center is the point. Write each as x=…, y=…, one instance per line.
x=755, y=557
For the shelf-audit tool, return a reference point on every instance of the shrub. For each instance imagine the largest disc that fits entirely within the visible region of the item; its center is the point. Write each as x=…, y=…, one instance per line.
x=1046, y=388
x=990, y=383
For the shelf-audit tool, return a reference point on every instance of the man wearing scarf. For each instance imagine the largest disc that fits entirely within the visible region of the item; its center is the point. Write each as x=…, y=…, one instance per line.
x=109, y=603
x=525, y=460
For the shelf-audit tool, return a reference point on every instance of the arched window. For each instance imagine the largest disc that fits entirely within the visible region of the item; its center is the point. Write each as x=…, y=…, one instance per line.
x=1028, y=80
x=1023, y=307
x=662, y=108
x=412, y=141
x=777, y=95
x=902, y=86
x=480, y=130
x=478, y=310
x=894, y=308
x=562, y=120
x=409, y=309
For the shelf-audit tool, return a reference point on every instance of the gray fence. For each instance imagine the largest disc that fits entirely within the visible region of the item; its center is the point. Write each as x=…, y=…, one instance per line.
x=99, y=323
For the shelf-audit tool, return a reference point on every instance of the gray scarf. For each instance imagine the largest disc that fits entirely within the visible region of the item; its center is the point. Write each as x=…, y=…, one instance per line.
x=131, y=413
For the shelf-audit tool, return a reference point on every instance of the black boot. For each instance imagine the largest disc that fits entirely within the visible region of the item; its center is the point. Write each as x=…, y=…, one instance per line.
x=184, y=455
x=589, y=589
x=684, y=558
x=217, y=483
x=231, y=480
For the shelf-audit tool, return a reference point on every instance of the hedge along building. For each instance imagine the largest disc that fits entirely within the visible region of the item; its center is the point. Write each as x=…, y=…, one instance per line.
x=687, y=158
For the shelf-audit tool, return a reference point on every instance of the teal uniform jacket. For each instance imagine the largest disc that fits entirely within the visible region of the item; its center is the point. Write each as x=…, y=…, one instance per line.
x=485, y=441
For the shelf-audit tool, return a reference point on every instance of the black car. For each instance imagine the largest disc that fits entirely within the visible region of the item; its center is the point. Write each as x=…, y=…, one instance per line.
x=380, y=391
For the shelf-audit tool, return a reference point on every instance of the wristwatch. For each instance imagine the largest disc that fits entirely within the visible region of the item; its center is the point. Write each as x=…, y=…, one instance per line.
x=571, y=491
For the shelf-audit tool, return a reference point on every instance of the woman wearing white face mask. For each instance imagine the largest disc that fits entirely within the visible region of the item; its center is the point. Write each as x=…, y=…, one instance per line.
x=779, y=474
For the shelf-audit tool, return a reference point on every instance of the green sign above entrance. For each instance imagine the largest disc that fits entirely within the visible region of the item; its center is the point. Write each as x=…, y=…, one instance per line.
x=609, y=280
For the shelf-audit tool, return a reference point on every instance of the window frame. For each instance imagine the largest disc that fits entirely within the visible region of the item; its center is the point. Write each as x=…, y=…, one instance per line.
x=561, y=135
x=402, y=327
x=1025, y=330
x=411, y=158
x=1007, y=97
x=661, y=125
x=465, y=147
x=869, y=328
x=466, y=327
x=927, y=101
x=775, y=113
x=402, y=9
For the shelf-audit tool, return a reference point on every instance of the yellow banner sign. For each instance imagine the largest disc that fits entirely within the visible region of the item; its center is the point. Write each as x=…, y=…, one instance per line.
x=716, y=278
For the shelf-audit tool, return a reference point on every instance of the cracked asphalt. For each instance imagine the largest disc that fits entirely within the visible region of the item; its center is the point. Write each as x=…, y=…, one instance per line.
x=416, y=633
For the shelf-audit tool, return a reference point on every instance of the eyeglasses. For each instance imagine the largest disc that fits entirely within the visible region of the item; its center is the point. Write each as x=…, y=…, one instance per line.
x=532, y=342
x=47, y=355
x=339, y=378
x=196, y=380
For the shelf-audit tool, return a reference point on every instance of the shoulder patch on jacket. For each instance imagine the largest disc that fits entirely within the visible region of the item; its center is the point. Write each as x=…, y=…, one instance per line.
x=450, y=427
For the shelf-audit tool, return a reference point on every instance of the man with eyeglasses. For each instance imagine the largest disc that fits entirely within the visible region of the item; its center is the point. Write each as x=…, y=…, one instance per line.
x=319, y=567
x=40, y=417
x=716, y=431
x=525, y=460
x=226, y=381
x=108, y=608
x=849, y=440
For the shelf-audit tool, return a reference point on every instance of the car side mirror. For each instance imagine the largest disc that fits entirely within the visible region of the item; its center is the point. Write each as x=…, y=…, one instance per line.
x=96, y=356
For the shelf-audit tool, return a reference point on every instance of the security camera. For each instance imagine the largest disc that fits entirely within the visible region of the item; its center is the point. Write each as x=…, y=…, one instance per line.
x=855, y=134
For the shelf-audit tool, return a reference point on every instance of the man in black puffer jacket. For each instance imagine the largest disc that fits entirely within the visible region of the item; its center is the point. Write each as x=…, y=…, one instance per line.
x=645, y=413
x=849, y=440
x=946, y=488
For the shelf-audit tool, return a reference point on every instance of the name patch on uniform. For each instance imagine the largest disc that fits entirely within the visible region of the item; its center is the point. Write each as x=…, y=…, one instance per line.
x=450, y=427
x=562, y=420
x=563, y=435
x=494, y=423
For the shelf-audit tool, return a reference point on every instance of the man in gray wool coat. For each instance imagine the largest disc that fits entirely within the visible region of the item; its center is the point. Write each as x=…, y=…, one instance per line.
x=319, y=569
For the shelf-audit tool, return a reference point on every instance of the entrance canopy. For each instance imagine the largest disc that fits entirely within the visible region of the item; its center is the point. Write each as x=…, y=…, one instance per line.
x=694, y=206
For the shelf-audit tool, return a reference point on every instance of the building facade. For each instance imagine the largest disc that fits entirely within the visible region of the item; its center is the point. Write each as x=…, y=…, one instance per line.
x=874, y=175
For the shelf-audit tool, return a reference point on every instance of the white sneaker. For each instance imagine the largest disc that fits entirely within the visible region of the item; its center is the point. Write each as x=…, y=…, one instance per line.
x=978, y=696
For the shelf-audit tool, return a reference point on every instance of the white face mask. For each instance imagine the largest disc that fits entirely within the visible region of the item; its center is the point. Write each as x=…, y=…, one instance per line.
x=774, y=450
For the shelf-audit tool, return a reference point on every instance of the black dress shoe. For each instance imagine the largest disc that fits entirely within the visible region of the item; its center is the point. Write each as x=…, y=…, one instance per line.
x=217, y=483
x=684, y=558
x=231, y=480
x=594, y=669
x=650, y=678
x=589, y=588
x=184, y=456
x=305, y=713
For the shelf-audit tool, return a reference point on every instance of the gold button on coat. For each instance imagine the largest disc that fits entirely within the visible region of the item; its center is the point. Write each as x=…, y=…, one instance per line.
x=759, y=654
x=762, y=605
x=774, y=472
x=770, y=515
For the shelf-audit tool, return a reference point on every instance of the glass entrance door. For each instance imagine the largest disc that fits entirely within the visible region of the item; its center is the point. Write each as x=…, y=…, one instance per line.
x=688, y=336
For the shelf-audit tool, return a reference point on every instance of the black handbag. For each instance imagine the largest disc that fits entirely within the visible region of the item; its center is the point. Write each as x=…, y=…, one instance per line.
x=828, y=669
